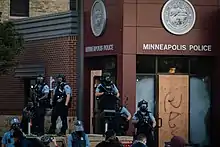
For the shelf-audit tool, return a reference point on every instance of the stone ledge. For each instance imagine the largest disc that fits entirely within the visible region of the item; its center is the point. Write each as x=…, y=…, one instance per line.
x=5, y=123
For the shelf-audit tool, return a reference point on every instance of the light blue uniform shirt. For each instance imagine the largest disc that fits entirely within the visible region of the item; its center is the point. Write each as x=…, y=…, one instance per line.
x=125, y=112
x=46, y=89
x=67, y=89
x=8, y=136
x=115, y=89
x=152, y=118
x=70, y=140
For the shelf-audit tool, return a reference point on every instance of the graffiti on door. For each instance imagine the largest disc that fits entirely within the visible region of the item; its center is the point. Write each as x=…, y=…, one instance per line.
x=173, y=102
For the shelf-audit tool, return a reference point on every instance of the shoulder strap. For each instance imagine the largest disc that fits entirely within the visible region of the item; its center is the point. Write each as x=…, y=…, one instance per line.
x=73, y=135
x=42, y=87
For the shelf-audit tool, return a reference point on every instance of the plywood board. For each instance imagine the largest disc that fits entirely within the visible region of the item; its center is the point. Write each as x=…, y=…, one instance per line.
x=173, y=107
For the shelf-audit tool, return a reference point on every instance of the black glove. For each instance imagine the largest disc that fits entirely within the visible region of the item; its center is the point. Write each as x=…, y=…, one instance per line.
x=106, y=93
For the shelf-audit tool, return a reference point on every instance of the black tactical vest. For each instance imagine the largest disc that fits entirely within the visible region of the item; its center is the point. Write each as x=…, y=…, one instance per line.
x=141, y=126
x=39, y=89
x=106, y=88
x=60, y=95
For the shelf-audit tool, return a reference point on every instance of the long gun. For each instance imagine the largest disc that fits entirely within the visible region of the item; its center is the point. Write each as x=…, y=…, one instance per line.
x=51, y=90
x=34, y=96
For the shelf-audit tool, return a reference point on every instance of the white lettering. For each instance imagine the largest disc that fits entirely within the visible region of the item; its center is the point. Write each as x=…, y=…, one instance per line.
x=99, y=48
x=175, y=47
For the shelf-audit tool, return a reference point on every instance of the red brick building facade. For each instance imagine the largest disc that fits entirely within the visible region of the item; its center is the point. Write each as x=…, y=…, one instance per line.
x=57, y=55
x=54, y=54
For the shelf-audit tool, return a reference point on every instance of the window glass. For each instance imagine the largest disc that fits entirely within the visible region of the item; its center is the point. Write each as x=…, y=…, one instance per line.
x=200, y=102
x=145, y=91
x=201, y=65
x=145, y=64
x=19, y=8
x=173, y=65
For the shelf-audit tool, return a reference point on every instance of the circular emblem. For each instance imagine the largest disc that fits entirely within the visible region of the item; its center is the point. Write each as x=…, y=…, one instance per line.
x=98, y=18
x=178, y=16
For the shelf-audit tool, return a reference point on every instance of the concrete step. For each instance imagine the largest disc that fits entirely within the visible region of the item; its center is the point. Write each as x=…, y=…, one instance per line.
x=94, y=140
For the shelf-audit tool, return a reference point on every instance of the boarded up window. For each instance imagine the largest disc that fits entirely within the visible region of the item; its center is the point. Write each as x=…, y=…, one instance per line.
x=19, y=8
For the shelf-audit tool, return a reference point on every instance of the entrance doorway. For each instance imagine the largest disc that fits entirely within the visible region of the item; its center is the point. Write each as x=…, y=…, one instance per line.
x=95, y=80
x=178, y=92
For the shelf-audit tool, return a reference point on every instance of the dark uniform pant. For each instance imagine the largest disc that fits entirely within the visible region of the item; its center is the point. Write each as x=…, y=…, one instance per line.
x=39, y=121
x=119, y=125
x=62, y=111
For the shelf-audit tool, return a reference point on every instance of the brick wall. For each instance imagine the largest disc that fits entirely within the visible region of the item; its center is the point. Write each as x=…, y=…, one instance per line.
x=37, y=7
x=57, y=55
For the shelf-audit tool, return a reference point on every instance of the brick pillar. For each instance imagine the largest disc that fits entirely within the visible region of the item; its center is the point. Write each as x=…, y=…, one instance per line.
x=127, y=79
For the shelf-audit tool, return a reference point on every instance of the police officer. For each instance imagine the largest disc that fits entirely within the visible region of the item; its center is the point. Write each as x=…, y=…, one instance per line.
x=121, y=120
x=42, y=92
x=62, y=96
x=7, y=139
x=78, y=138
x=28, y=114
x=106, y=87
x=144, y=122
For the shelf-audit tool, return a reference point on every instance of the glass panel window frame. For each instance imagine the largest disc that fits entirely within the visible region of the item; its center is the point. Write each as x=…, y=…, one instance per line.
x=19, y=8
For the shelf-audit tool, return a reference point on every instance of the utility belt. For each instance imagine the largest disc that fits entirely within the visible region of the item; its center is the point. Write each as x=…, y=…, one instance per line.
x=59, y=99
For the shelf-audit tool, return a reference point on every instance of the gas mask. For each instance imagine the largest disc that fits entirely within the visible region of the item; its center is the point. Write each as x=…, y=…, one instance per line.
x=59, y=81
x=143, y=108
x=15, y=126
x=15, y=123
x=107, y=81
x=40, y=80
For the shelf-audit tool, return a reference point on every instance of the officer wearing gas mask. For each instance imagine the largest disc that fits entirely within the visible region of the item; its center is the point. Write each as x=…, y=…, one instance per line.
x=7, y=139
x=28, y=114
x=121, y=120
x=41, y=99
x=61, y=97
x=144, y=122
x=106, y=87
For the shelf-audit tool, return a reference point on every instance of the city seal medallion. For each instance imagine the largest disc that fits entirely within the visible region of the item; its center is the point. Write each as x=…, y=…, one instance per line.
x=178, y=16
x=98, y=18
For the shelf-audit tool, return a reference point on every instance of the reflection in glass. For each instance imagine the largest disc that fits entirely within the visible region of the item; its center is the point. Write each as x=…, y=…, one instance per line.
x=199, y=111
x=145, y=90
x=178, y=63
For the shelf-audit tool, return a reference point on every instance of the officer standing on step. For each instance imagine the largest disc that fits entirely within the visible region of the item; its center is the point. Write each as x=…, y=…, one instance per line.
x=144, y=122
x=41, y=90
x=61, y=97
x=107, y=87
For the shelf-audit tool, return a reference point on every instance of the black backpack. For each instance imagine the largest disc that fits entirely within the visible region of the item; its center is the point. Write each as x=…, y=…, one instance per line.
x=77, y=142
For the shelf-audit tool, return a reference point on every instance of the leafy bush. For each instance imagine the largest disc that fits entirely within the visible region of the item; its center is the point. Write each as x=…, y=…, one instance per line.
x=11, y=45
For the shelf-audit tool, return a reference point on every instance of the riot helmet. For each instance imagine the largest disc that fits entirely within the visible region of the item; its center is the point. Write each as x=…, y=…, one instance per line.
x=61, y=78
x=143, y=106
x=15, y=123
x=106, y=78
x=78, y=126
x=40, y=79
